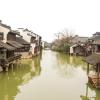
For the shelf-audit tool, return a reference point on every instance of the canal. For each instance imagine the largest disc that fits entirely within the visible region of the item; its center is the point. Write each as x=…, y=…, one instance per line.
x=50, y=76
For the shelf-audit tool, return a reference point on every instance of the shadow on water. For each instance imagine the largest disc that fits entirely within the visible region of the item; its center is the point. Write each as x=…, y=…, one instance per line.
x=21, y=74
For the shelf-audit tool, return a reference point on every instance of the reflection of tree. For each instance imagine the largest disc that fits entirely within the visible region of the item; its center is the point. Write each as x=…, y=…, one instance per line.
x=68, y=65
x=62, y=58
x=71, y=60
x=10, y=80
x=77, y=62
x=88, y=97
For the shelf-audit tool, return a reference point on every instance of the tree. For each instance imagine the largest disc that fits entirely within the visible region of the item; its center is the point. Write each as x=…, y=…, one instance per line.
x=63, y=41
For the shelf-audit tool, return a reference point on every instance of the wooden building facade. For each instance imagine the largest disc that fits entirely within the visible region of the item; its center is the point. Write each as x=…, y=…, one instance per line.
x=15, y=44
x=7, y=55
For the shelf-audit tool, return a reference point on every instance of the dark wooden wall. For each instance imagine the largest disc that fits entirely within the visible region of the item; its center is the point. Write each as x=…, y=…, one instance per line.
x=32, y=39
x=11, y=37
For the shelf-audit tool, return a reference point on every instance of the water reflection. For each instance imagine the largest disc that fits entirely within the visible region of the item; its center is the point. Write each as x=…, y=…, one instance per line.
x=71, y=60
x=69, y=65
x=21, y=74
x=90, y=93
x=54, y=76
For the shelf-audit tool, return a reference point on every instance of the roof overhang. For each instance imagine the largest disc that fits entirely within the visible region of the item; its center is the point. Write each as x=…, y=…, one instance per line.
x=6, y=46
x=15, y=44
x=93, y=59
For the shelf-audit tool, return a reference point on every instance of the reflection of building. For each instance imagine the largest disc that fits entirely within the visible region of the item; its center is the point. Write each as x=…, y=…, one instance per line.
x=21, y=74
x=71, y=59
x=36, y=65
x=87, y=95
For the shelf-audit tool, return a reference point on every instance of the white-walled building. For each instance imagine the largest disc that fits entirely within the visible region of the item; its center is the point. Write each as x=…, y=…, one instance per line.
x=32, y=38
x=4, y=29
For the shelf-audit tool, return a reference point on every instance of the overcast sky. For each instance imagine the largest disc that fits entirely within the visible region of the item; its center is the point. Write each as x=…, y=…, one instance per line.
x=47, y=17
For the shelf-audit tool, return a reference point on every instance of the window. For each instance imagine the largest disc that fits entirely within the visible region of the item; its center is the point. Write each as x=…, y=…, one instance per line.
x=1, y=35
x=1, y=52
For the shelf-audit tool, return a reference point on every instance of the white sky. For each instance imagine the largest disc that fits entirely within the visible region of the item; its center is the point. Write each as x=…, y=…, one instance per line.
x=46, y=17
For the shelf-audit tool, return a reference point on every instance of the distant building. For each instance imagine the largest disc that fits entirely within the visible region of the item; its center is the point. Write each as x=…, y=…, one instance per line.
x=96, y=42
x=77, y=46
x=96, y=35
x=78, y=39
x=46, y=45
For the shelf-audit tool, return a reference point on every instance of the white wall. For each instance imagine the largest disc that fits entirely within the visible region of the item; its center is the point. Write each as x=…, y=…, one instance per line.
x=71, y=50
x=27, y=38
x=5, y=31
x=24, y=34
x=43, y=44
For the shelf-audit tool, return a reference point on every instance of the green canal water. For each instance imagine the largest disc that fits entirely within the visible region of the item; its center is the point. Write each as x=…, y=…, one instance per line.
x=50, y=76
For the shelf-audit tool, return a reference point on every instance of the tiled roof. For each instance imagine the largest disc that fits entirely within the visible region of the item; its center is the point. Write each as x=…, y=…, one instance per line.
x=93, y=59
x=97, y=33
x=96, y=42
x=5, y=45
x=15, y=32
x=15, y=44
x=21, y=40
x=79, y=39
x=4, y=25
x=31, y=33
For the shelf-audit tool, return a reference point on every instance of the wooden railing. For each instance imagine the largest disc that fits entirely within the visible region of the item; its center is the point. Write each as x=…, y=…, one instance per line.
x=15, y=57
x=3, y=62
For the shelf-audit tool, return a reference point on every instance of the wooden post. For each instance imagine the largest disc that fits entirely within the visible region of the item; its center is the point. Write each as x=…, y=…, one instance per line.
x=87, y=91
x=98, y=65
x=12, y=67
x=87, y=68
